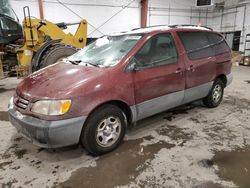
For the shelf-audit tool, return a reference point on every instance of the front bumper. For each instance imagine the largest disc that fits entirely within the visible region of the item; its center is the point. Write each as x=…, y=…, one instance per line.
x=47, y=134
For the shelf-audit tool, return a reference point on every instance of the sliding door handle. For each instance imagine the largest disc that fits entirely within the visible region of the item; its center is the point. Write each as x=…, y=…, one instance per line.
x=191, y=68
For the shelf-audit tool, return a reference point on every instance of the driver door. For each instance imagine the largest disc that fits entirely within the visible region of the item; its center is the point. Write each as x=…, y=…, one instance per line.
x=159, y=79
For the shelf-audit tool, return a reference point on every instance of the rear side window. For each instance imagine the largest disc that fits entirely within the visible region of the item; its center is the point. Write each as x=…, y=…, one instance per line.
x=196, y=44
x=218, y=43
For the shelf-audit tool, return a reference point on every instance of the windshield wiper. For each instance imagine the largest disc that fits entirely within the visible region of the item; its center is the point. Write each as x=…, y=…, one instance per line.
x=75, y=62
x=95, y=65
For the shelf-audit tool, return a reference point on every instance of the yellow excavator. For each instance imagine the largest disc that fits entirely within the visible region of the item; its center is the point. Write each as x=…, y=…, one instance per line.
x=44, y=42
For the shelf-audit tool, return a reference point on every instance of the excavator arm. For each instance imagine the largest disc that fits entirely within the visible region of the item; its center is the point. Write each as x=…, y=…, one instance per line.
x=38, y=36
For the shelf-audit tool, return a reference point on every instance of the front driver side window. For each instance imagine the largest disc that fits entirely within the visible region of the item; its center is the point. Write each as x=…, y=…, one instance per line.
x=159, y=50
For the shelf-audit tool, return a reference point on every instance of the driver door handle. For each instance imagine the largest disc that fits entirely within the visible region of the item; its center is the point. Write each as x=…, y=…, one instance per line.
x=178, y=71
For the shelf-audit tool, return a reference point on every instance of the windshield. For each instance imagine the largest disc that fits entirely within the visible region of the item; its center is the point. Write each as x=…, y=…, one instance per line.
x=106, y=51
x=6, y=9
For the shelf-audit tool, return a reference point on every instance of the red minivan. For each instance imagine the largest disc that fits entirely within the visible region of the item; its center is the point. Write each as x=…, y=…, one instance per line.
x=92, y=96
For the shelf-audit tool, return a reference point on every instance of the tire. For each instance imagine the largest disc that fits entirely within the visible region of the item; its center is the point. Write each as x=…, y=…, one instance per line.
x=111, y=122
x=215, y=96
x=55, y=53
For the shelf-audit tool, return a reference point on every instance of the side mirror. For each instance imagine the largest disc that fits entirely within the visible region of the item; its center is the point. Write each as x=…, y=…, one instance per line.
x=132, y=67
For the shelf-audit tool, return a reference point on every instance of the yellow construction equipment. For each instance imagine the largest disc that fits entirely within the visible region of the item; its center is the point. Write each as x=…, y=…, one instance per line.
x=45, y=42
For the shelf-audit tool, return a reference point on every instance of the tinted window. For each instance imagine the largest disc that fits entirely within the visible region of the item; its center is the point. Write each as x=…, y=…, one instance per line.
x=159, y=50
x=196, y=44
x=7, y=24
x=218, y=43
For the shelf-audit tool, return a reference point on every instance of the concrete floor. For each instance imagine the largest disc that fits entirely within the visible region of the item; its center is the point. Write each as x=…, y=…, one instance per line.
x=191, y=146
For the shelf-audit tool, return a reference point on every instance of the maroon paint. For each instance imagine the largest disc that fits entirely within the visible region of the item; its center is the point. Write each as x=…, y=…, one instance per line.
x=158, y=81
x=89, y=87
x=197, y=70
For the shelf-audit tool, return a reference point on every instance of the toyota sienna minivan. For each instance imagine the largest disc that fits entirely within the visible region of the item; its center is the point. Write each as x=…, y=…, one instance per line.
x=92, y=96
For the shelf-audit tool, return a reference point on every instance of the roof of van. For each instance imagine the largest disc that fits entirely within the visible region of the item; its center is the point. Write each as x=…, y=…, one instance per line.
x=163, y=27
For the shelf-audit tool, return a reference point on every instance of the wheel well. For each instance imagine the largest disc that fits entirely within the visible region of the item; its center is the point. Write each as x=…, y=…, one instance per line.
x=223, y=78
x=122, y=105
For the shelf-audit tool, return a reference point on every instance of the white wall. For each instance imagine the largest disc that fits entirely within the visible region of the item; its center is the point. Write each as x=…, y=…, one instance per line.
x=177, y=12
x=96, y=12
x=164, y=12
x=161, y=12
x=246, y=29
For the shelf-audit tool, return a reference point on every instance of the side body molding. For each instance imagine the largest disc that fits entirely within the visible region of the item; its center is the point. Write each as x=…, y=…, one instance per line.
x=166, y=102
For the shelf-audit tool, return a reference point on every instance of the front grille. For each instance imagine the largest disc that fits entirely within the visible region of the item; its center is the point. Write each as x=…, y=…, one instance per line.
x=21, y=102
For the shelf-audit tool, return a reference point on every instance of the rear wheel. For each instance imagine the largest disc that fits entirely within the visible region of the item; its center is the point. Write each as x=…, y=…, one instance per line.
x=104, y=130
x=215, y=96
x=56, y=53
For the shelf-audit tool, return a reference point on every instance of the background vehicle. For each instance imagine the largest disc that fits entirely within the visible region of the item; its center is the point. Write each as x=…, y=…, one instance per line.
x=10, y=33
x=46, y=43
x=10, y=29
x=43, y=42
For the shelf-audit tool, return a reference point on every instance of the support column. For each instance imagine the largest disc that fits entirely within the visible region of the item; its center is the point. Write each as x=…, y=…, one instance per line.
x=144, y=13
x=40, y=4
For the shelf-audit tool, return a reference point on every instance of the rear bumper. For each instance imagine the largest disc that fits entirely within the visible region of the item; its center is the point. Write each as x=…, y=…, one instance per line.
x=47, y=134
x=229, y=79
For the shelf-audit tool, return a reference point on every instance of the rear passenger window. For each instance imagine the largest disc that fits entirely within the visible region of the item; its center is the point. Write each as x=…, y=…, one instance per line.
x=159, y=50
x=218, y=43
x=196, y=44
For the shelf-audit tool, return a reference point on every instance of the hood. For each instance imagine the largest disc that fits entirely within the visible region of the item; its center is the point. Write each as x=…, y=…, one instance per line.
x=58, y=81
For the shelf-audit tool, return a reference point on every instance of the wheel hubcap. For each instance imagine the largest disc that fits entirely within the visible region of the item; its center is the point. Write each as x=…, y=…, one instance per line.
x=108, y=131
x=217, y=92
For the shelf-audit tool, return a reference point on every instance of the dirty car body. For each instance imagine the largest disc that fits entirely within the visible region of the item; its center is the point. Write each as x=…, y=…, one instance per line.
x=138, y=73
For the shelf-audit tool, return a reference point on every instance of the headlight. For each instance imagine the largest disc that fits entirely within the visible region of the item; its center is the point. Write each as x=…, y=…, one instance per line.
x=51, y=107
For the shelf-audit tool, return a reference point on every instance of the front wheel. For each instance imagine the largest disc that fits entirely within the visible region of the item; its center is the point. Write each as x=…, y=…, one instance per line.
x=104, y=130
x=215, y=96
